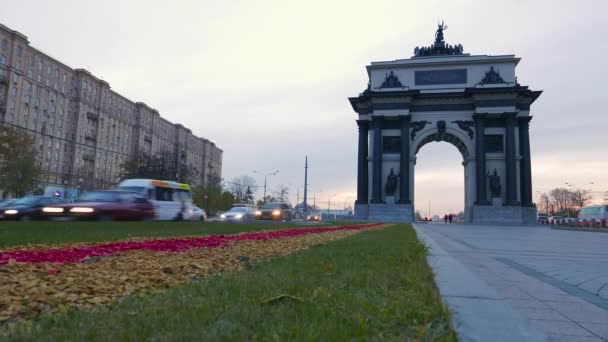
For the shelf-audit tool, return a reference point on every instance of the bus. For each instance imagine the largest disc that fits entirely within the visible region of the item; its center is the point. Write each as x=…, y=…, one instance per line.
x=594, y=213
x=171, y=200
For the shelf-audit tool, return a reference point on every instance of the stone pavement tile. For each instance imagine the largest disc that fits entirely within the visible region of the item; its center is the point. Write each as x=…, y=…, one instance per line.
x=559, y=328
x=581, y=312
x=550, y=297
x=542, y=313
x=489, y=320
x=595, y=284
x=526, y=303
x=604, y=292
x=562, y=338
x=512, y=292
x=598, y=329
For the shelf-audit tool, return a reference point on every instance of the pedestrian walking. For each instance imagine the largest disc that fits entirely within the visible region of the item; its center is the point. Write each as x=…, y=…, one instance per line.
x=445, y=218
x=450, y=217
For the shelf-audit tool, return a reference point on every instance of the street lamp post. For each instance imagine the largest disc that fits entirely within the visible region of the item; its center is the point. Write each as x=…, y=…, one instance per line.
x=329, y=203
x=207, y=204
x=274, y=173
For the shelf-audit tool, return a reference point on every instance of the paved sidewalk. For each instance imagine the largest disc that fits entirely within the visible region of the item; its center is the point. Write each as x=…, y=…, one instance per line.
x=521, y=283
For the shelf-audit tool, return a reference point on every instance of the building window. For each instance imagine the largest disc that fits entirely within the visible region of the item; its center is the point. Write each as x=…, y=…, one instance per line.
x=4, y=44
x=391, y=144
x=494, y=143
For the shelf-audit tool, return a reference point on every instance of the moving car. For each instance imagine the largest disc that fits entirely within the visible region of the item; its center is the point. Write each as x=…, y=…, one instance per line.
x=313, y=216
x=198, y=214
x=171, y=200
x=105, y=206
x=29, y=208
x=274, y=211
x=239, y=214
x=553, y=219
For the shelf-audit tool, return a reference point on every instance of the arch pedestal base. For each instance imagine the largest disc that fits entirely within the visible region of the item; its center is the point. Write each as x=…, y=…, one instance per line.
x=381, y=212
x=503, y=215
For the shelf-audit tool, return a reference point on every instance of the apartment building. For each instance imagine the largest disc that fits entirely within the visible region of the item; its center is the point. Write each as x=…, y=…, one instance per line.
x=81, y=127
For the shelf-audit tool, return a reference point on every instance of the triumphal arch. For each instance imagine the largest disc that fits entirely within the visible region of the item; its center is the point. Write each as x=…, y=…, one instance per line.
x=444, y=94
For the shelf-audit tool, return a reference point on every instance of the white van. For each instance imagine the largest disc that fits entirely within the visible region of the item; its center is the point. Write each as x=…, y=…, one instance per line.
x=171, y=200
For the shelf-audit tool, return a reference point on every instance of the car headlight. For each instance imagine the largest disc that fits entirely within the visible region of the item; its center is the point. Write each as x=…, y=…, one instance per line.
x=276, y=212
x=258, y=213
x=11, y=212
x=82, y=210
x=52, y=210
x=222, y=216
x=238, y=216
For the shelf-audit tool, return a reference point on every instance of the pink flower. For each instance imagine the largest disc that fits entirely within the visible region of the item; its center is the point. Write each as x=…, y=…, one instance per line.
x=78, y=254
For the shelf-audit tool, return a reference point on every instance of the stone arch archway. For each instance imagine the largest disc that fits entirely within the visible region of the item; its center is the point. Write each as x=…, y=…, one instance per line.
x=447, y=137
x=466, y=151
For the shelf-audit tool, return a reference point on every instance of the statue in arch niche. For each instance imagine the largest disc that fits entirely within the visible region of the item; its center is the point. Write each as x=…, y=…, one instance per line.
x=391, y=183
x=495, y=184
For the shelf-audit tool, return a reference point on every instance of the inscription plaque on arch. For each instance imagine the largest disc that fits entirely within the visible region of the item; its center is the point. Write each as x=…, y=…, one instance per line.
x=436, y=77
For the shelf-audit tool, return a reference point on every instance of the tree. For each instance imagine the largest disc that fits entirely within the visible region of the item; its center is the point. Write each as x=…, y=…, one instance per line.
x=213, y=197
x=248, y=196
x=606, y=196
x=238, y=186
x=544, y=204
x=85, y=178
x=562, y=199
x=137, y=166
x=580, y=197
x=162, y=165
x=417, y=216
x=269, y=199
x=18, y=167
x=282, y=193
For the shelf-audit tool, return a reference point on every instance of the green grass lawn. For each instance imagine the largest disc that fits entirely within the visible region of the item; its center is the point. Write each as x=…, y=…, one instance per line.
x=375, y=285
x=19, y=233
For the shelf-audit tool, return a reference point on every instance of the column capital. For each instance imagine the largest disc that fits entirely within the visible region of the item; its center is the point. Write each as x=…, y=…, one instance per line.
x=405, y=118
x=524, y=120
x=363, y=124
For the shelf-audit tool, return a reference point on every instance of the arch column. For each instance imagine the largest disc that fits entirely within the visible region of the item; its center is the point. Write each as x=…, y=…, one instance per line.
x=404, y=161
x=525, y=167
x=362, y=166
x=377, y=161
x=510, y=160
x=480, y=160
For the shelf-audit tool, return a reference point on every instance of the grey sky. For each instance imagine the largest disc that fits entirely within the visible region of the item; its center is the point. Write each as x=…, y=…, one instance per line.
x=269, y=80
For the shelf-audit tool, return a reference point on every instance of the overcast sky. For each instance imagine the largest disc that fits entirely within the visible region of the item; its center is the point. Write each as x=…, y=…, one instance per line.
x=268, y=81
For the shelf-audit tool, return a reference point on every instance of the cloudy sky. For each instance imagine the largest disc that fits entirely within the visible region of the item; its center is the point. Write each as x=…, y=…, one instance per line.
x=268, y=81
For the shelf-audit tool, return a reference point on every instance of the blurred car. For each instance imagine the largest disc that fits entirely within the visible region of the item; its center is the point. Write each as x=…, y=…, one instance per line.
x=104, y=206
x=274, y=211
x=29, y=208
x=6, y=203
x=239, y=214
x=313, y=216
x=553, y=219
x=198, y=214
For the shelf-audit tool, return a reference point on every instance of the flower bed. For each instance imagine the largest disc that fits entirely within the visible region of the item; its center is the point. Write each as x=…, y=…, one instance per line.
x=161, y=245
x=36, y=280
